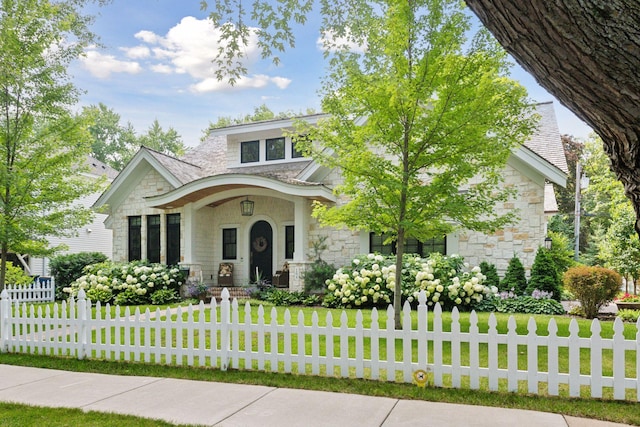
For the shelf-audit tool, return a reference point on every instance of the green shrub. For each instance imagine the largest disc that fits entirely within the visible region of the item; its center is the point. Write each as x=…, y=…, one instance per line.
x=164, y=296
x=67, y=268
x=544, y=276
x=316, y=276
x=521, y=304
x=490, y=274
x=283, y=297
x=628, y=315
x=514, y=278
x=16, y=276
x=592, y=286
x=561, y=252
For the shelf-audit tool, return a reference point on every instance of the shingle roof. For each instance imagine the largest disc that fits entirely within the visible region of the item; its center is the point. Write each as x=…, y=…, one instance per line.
x=546, y=141
x=98, y=168
x=211, y=157
x=183, y=170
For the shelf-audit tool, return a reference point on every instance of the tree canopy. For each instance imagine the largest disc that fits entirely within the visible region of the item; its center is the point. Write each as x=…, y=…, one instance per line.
x=42, y=145
x=586, y=54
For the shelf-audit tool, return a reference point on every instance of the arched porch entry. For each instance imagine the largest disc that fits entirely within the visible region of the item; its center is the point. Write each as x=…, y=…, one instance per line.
x=261, y=251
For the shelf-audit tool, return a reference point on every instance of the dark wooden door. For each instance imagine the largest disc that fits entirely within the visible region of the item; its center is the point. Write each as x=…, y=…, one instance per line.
x=261, y=245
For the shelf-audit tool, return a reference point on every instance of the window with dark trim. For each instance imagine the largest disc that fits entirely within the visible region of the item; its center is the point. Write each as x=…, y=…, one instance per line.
x=249, y=151
x=135, y=238
x=295, y=154
x=153, y=238
x=275, y=148
x=439, y=245
x=173, y=239
x=289, y=241
x=229, y=243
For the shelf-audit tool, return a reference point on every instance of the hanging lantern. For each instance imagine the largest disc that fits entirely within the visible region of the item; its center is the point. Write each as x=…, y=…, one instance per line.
x=246, y=207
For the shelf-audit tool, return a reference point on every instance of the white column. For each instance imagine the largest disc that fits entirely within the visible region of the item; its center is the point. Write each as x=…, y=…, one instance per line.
x=301, y=229
x=189, y=237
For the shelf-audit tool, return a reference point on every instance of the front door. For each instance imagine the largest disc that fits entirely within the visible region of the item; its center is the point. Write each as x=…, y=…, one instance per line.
x=261, y=251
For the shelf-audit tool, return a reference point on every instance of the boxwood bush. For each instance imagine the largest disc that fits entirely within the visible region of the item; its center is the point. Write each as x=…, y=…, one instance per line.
x=67, y=268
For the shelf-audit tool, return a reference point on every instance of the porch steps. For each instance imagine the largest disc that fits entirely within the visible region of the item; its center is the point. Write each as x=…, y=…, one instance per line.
x=234, y=292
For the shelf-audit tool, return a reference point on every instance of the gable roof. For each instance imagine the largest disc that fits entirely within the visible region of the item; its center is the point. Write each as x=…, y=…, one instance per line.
x=546, y=140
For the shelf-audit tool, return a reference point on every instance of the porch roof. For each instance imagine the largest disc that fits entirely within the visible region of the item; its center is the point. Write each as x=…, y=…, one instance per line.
x=226, y=187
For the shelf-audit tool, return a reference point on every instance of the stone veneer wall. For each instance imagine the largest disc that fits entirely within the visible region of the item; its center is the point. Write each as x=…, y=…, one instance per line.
x=521, y=239
x=151, y=184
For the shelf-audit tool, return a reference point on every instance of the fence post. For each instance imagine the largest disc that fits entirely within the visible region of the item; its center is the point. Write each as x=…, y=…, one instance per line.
x=225, y=330
x=5, y=321
x=81, y=316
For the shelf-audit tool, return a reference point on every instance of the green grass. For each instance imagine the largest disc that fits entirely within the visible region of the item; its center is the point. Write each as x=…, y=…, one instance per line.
x=17, y=415
x=614, y=411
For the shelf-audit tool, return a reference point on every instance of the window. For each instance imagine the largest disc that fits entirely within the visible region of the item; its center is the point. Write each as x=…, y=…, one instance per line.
x=173, y=239
x=135, y=238
x=376, y=244
x=153, y=238
x=249, y=151
x=289, y=239
x=295, y=154
x=275, y=148
x=229, y=243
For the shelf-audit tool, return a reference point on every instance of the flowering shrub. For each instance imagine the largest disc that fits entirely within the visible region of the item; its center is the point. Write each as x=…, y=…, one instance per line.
x=371, y=278
x=128, y=283
x=628, y=298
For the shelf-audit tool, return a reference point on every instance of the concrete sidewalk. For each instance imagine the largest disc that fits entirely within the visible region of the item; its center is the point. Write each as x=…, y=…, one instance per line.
x=223, y=404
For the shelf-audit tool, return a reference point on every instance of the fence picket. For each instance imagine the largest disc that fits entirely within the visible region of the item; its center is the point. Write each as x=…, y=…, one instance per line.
x=596, y=359
x=73, y=329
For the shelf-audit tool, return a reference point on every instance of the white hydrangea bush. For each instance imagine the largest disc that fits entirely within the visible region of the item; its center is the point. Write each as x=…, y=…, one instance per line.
x=370, y=281
x=128, y=283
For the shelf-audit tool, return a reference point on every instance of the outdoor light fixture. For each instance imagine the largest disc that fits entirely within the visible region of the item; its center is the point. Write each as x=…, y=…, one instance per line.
x=547, y=242
x=246, y=207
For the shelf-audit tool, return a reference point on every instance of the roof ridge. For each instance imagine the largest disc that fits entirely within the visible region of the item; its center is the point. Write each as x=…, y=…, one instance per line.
x=169, y=156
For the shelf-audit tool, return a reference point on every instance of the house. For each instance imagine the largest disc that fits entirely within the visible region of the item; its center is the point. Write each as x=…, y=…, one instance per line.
x=94, y=237
x=242, y=199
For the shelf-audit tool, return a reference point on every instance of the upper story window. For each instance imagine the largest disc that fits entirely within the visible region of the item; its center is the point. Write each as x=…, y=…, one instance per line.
x=275, y=148
x=295, y=154
x=249, y=151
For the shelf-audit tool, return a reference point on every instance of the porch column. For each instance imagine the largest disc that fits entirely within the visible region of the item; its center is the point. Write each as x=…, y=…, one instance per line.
x=297, y=267
x=189, y=237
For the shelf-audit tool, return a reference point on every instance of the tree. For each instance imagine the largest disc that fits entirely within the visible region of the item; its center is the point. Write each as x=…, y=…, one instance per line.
x=168, y=142
x=544, y=276
x=113, y=143
x=590, y=65
x=491, y=274
x=514, y=278
x=41, y=145
x=438, y=121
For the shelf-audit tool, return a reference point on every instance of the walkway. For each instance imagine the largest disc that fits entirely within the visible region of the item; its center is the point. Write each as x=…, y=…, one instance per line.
x=223, y=404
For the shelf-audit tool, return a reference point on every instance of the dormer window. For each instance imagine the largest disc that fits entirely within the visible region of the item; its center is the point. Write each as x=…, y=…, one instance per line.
x=275, y=148
x=250, y=151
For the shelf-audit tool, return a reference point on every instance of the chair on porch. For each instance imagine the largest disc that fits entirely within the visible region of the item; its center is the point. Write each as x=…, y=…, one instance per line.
x=281, y=278
x=225, y=274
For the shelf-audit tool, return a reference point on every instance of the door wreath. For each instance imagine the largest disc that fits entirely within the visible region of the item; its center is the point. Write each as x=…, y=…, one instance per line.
x=260, y=244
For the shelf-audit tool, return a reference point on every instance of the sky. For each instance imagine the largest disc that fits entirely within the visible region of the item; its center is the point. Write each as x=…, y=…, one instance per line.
x=155, y=63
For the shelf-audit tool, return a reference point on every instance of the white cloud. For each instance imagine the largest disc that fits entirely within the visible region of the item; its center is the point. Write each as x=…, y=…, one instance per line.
x=137, y=52
x=257, y=81
x=146, y=36
x=102, y=66
x=189, y=48
x=328, y=41
x=162, y=69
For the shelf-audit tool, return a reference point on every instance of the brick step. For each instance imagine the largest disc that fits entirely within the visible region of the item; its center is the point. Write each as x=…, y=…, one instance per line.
x=234, y=292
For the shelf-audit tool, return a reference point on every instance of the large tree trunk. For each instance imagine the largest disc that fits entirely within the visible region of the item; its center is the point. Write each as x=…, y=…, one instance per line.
x=587, y=54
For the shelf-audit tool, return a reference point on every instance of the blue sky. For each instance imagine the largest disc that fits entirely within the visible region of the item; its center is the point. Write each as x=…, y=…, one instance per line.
x=156, y=64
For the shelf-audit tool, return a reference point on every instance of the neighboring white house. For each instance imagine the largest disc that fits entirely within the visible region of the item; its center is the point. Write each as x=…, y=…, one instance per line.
x=93, y=237
x=188, y=211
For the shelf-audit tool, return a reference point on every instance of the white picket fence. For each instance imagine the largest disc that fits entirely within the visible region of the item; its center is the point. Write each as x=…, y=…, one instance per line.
x=41, y=290
x=539, y=364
